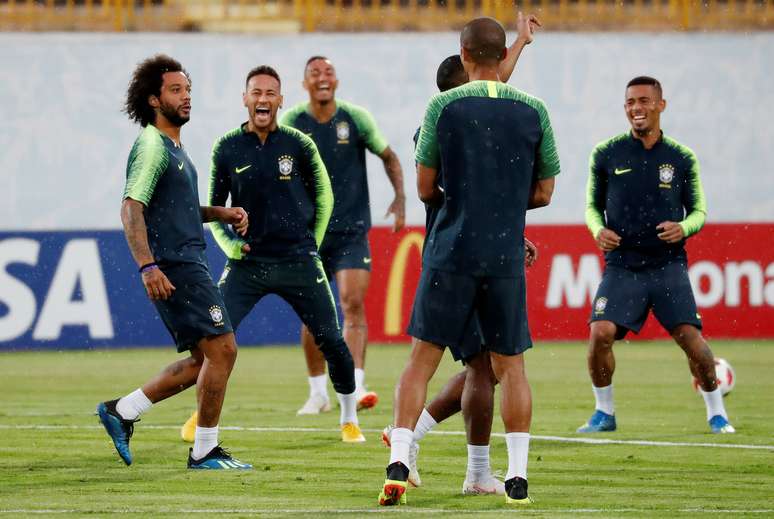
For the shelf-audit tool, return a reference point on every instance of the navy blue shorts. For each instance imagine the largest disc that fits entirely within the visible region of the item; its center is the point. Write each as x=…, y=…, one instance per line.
x=625, y=296
x=341, y=251
x=196, y=309
x=301, y=282
x=468, y=314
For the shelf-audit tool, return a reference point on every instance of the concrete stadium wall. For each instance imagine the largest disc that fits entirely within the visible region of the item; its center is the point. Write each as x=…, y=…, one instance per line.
x=64, y=141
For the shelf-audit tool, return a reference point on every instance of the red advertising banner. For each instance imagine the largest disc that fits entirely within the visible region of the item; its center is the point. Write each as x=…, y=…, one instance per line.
x=731, y=267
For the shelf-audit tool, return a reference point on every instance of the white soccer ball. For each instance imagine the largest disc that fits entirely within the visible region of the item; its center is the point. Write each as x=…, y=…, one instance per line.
x=725, y=376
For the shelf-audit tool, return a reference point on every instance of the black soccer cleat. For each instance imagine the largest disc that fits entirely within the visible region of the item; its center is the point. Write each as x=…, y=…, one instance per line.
x=394, y=489
x=516, y=492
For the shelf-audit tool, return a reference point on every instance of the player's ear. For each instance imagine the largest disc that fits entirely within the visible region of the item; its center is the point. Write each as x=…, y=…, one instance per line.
x=281, y=100
x=503, y=54
x=662, y=105
x=154, y=101
x=244, y=99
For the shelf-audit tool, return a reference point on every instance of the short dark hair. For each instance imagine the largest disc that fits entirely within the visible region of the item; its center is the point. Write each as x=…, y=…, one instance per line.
x=450, y=73
x=484, y=39
x=646, y=80
x=263, y=70
x=314, y=58
x=146, y=81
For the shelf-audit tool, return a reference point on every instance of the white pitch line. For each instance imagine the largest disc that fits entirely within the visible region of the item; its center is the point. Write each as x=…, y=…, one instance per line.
x=402, y=510
x=558, y=439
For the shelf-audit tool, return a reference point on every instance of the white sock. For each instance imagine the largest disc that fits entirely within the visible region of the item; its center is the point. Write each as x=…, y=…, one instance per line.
x=400, y=442
x=348, y=405
x=133, y=405
x=425, y=423
x=205, y=439
x=359, y=380
x=478, y=463
x=714, y=402
x=318, y=385
x=604, y=396
x=518, y=451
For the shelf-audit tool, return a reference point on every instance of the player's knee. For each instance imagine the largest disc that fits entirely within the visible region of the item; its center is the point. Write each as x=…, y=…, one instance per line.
x=602, y=334
x=353, y=305
x=686, y=335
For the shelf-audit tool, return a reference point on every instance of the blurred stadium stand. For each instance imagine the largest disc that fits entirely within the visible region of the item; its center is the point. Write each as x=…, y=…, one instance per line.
x=378, y=15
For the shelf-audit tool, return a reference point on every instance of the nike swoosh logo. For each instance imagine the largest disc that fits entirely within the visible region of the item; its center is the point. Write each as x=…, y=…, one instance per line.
x=320, y=280
x=621, y=171
x=180, y=166
x=239, y=170
x=366, y=260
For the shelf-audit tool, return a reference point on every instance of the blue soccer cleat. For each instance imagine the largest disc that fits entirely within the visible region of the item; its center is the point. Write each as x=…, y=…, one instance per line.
x=217, y=459
x=119, y=430
x=599, y=422
x=719, y=425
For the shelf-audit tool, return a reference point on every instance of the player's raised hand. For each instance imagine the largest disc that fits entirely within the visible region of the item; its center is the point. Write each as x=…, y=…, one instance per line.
x=237, y=217
x=157, y=285
x=526, y=27
x=530, y=253
x=608, y=240
x=398, y=208
x=671, y=232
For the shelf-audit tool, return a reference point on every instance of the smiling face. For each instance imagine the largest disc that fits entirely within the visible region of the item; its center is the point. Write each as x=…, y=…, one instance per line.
x=320, y=80
x=174, y=101
x=262, y=99
x=643, y=106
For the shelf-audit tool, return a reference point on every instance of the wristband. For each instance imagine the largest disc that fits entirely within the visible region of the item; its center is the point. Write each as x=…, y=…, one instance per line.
x=148, y=266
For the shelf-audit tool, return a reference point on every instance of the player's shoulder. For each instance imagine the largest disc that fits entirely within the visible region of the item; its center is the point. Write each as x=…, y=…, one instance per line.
x=360, y=115
x=289, y=116
x=294, y=134
x=504, y=90
x=611, y=144
x=679, y=148
x=230, y=136
x=149, y=146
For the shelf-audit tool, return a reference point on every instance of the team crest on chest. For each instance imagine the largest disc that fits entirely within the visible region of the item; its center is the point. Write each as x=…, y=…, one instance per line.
x=217, y=315
x=285, y=167
x=666, y=172
x=342, y=132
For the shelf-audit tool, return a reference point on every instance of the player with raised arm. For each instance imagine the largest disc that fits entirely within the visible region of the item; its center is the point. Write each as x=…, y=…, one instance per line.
x=162, y=221
x=343, y=132
x=493, y=144
x=644, y=199
x=276, y=174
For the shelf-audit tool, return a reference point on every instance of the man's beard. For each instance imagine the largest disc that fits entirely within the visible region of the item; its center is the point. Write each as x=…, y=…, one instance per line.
x=172, y=116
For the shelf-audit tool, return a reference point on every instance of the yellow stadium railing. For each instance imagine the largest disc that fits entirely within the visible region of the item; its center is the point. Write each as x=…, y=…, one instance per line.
x=261, y=16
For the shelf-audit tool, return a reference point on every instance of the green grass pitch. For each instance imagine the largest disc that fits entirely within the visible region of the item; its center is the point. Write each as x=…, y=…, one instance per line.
x=55, y=458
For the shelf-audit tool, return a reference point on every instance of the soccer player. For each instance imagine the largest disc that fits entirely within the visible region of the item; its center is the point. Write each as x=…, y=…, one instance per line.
x=163, y=225
x=479, y=407
x=495, y=147
x=644, y=199
x=276, y=174
x=343, y=132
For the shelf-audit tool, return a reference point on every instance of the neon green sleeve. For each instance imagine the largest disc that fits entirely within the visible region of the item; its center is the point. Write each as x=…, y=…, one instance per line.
x=427, y=145
x=693, y=197
x=219, y=190
x=147, y=162
x=547, y=158
x=289, y=116
x=366, y=127
x=595, y=194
